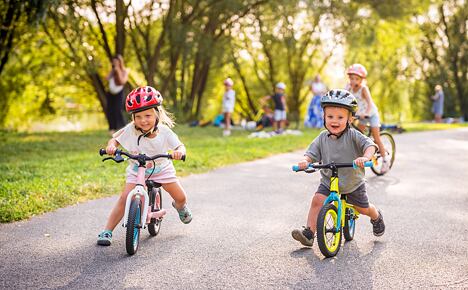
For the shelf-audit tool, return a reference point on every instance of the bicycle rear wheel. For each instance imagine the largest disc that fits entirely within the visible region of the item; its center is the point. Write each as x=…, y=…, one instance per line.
x=133, y=227
x=389, y=143
x=328, y=236
x=349, y=224
x=156, y=204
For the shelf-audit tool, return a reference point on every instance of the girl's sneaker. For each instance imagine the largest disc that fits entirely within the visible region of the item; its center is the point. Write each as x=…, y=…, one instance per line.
x=185, y=214
x=305, y=236
x=105, y=238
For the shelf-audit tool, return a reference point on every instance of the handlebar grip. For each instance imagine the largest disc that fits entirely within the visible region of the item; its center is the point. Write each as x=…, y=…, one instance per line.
x=366, y=164
x=183, y=157
x=102, y=152
x=295, y=168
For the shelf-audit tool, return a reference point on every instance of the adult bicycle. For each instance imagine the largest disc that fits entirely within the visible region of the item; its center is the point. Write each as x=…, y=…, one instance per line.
x=362, y=124
x=143, y=207
x=336, y=218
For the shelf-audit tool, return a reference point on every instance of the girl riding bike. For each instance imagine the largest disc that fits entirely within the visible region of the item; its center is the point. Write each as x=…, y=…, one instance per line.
x=339, y=143
x=149, y=133
x=357, y=74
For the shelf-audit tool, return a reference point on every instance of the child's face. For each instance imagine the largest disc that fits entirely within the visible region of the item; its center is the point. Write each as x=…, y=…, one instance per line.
x=279, y=91
x=336, y=119
x=145, y=120
x=355, y=81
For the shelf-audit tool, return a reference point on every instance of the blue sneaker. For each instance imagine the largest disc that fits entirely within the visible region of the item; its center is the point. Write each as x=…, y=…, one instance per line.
x=105, y=238
x=185, y=214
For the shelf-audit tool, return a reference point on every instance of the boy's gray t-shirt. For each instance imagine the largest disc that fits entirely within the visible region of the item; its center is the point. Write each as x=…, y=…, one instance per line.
x=345, y=149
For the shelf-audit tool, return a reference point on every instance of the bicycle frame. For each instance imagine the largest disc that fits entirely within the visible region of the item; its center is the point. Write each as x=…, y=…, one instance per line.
x=140, y=192
x=335, y=197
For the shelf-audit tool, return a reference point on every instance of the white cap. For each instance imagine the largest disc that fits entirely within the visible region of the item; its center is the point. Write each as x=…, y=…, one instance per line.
x=228, y=82
x=281, y=85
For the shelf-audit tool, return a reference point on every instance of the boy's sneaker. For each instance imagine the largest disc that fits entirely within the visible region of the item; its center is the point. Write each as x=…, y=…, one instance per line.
x=305, y=236
x=105, y=238
x=185, y=214
x=378, y=225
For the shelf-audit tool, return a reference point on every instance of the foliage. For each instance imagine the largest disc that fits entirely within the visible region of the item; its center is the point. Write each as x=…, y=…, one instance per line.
x=186, y=48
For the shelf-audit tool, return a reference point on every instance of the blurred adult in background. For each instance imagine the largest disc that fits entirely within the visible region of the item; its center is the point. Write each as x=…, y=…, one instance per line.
x=314, y=118
x=438, y=104
x=117, y=77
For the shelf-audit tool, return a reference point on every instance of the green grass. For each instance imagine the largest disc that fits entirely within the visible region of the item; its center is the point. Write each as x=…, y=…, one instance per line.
x=45, y=171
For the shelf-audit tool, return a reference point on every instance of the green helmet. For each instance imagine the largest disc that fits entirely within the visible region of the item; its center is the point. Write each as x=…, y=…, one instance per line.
x=340, y=98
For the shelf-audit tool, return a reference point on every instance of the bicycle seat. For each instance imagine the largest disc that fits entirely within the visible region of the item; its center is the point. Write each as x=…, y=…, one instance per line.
x=152, y=184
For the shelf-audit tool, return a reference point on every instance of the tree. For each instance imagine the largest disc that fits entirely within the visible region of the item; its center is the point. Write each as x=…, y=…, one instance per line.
x=443, y=52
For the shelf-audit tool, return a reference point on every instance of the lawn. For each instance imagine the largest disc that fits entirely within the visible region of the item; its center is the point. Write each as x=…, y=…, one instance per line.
x=45, y=171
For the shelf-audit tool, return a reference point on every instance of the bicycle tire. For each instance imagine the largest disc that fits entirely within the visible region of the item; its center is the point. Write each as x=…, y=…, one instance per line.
x=328, y=237
x=132, y=239
x=389, y=143
x=349, y=224
x=156, y=204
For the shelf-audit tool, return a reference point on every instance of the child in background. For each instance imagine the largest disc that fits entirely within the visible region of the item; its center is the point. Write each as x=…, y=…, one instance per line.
x=357, y=74
x=279, y=99
x=149, y=133
x=229, y=101
x=340, y=143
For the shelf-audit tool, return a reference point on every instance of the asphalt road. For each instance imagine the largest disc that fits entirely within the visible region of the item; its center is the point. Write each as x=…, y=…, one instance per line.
x=240, y=235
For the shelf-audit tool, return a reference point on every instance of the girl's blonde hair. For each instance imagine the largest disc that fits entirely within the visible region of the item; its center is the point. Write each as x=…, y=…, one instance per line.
x=165, y=117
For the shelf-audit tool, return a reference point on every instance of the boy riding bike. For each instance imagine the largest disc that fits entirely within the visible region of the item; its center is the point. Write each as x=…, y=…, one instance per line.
x=339, y=143
x=149, y=133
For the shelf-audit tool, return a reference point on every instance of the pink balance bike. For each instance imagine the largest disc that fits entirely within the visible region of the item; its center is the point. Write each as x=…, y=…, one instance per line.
x=143, y=207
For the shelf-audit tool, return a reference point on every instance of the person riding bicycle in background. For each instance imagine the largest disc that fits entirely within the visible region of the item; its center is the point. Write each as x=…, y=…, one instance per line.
x=149, y=133
x=357, y=74
x=339, y=143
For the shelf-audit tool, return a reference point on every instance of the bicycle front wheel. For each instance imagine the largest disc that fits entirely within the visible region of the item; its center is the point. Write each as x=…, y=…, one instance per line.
x=328, y=235
x=133, y=227
x=389, y=143
x=156, y=204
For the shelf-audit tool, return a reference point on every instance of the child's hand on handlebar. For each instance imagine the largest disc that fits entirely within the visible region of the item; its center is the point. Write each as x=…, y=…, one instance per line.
x=110, y=149
x=177, y=155
x=360, y=161
x=303, y=164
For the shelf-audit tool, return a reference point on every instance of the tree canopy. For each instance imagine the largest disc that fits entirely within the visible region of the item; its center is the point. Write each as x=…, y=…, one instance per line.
x=54, y=55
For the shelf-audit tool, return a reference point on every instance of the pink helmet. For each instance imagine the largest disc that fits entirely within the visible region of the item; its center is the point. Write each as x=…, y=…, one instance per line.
x=228, y=82
x=143, y=98
x=357, y=69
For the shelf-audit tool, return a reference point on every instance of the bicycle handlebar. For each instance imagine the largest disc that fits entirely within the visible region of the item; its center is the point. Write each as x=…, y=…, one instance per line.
x=118, y=157
x=331, y=165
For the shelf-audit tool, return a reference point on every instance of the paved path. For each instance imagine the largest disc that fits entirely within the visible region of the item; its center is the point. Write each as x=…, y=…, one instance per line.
x=240, y=235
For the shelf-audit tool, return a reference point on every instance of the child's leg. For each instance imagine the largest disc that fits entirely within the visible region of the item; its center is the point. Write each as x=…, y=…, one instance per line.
x=119, y=208
x=315, y=206
x=370, y=211
x=176, y=192
x=376, y=134
x=227, y=120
